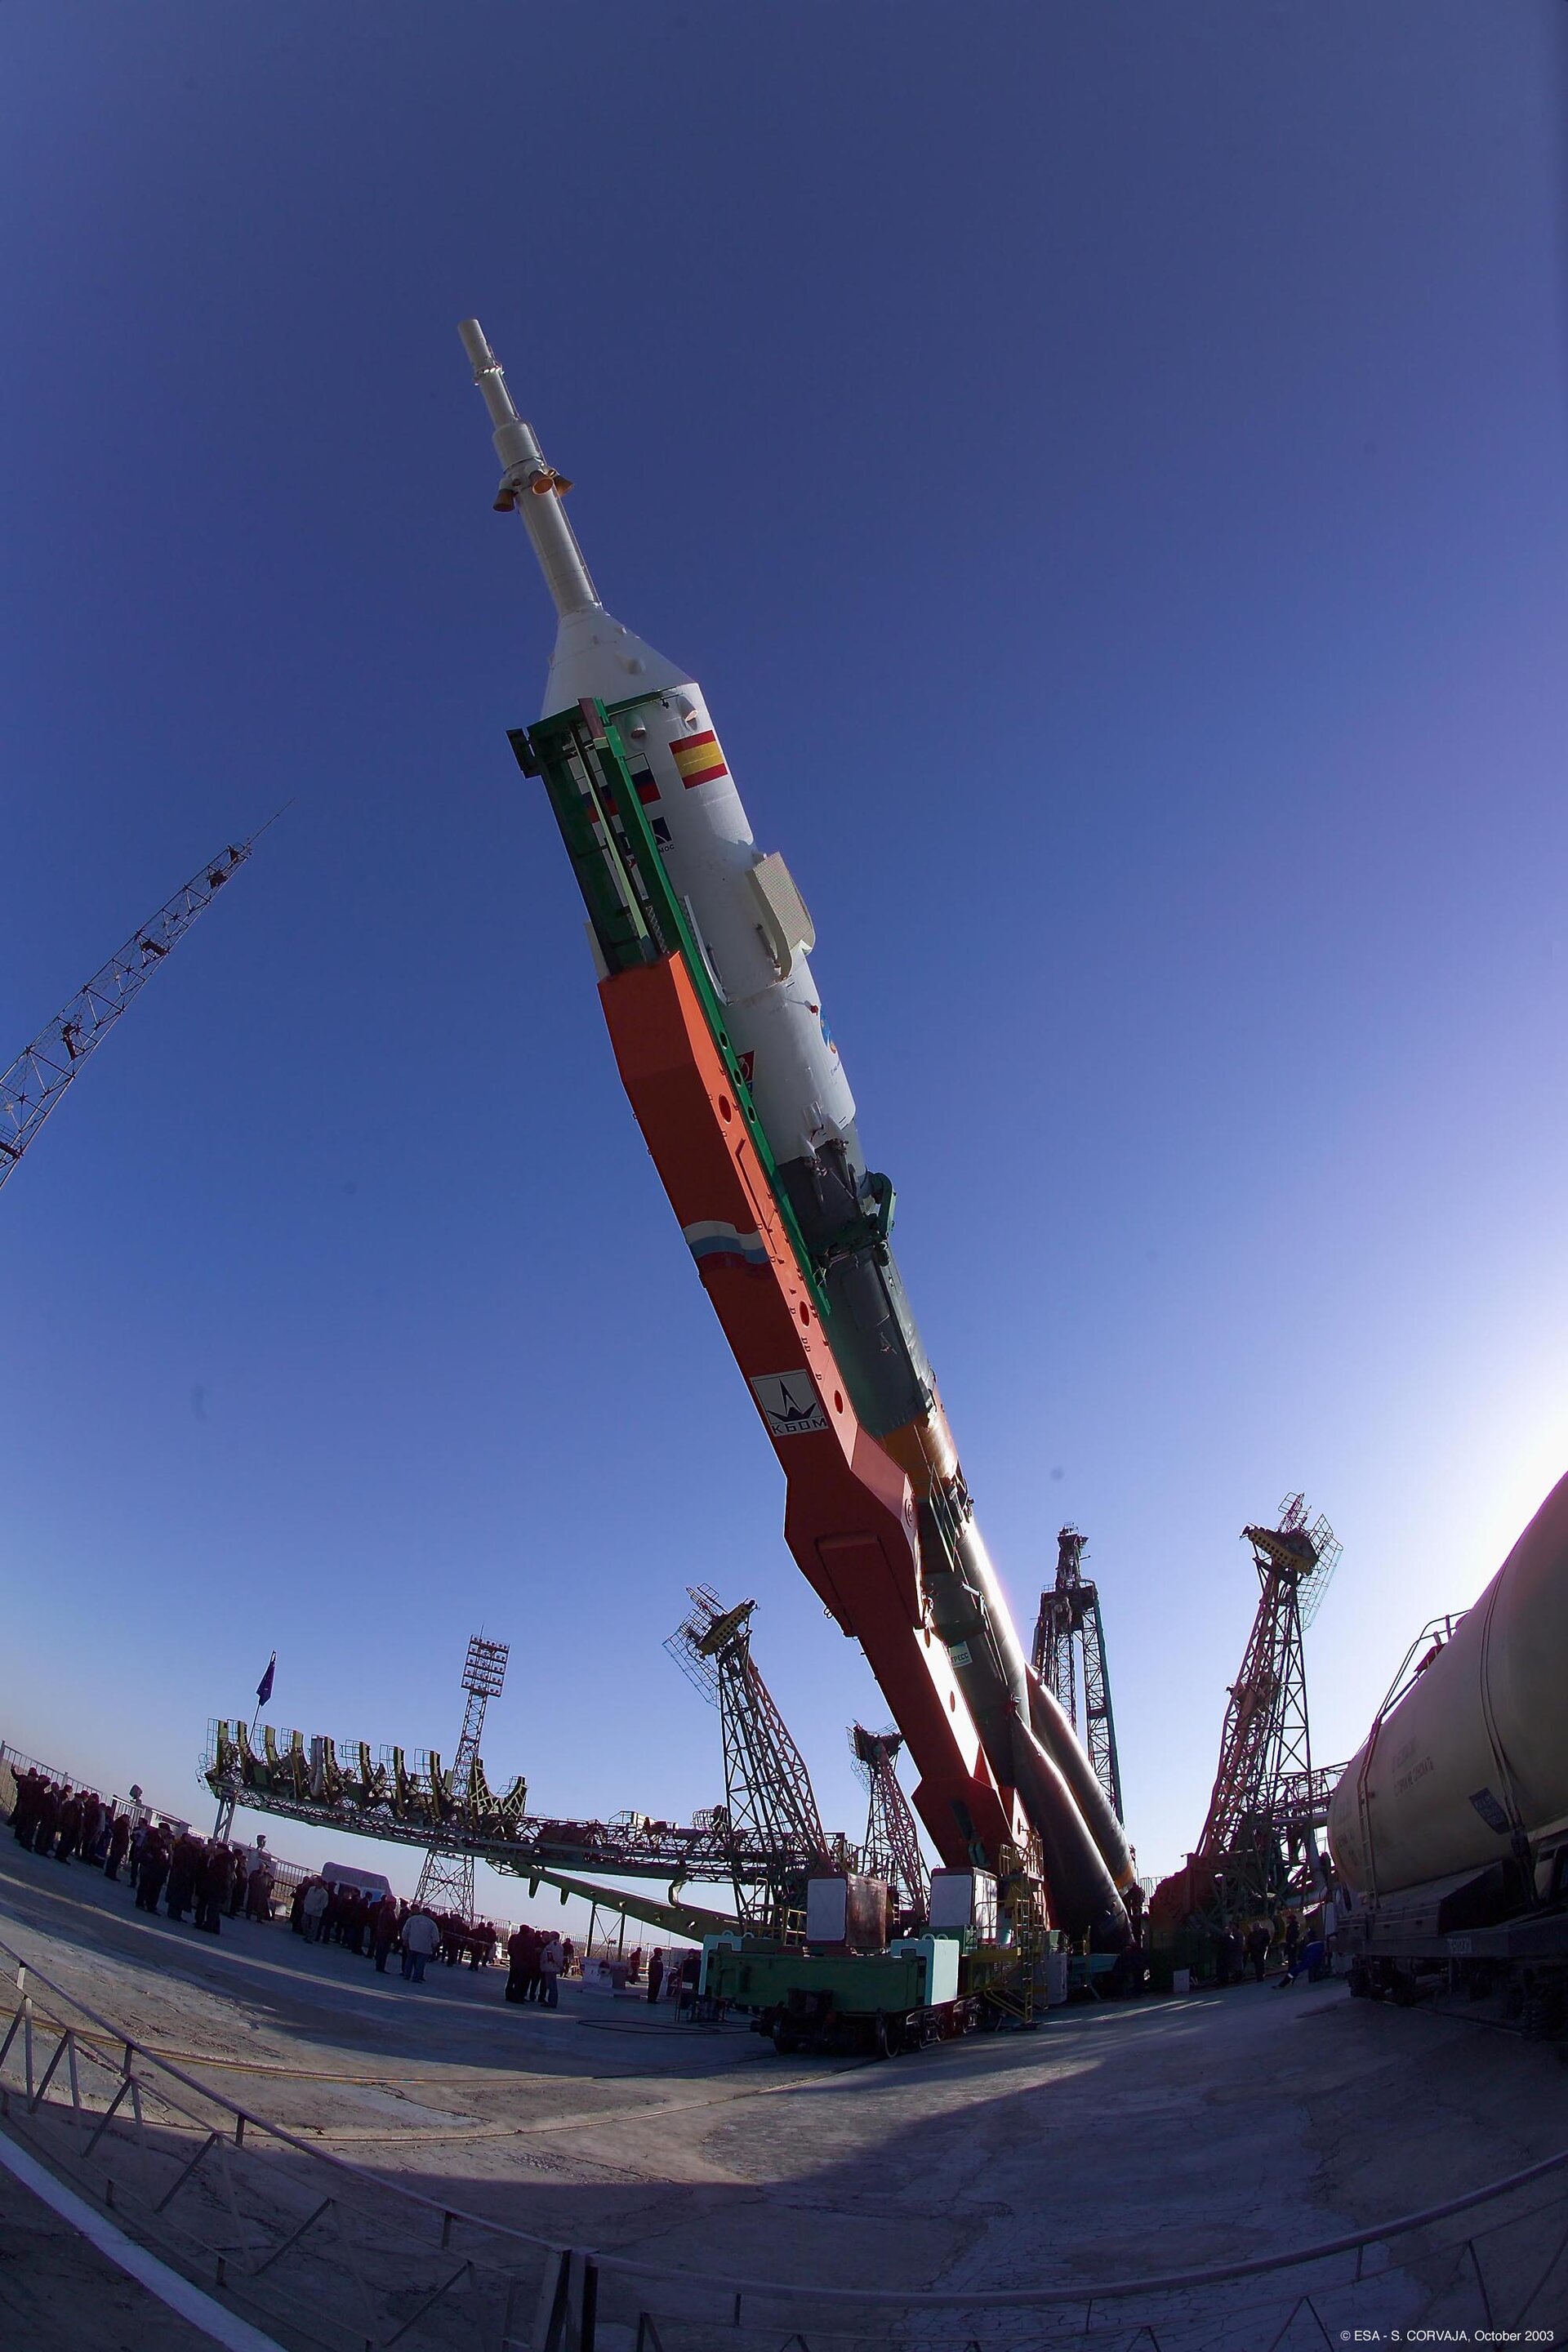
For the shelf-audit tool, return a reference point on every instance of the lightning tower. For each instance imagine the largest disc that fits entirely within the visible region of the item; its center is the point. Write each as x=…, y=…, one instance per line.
x=1255, y=1851
x=892, y=1847
x=768, y=1796
x=447, y=1881
x=1067, y=1632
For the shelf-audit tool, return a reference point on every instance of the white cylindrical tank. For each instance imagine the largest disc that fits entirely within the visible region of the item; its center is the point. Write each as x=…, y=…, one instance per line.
x=1475, y=1752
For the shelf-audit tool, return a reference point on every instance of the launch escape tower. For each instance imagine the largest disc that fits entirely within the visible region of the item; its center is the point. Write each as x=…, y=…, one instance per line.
x=892, y=1847
x=1070, y=1624
x=768, y=1796
x=446, y=1880
x=39, y=1075
x=1256, y=1844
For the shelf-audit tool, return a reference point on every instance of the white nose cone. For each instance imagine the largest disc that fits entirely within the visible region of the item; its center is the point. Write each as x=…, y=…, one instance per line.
x=596, y=656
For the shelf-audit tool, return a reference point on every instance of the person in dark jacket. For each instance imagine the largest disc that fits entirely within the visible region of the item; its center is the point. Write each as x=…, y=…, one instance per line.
x=24, y=1812
x=71, y=1826
x=51, y=1806
x=118, y=1838
x=383, y=1931
x=1258, y=1942
x=152, y=1869
x=215, y=1880
x=656, y=1976
x=91, y=1824
x=185, y=1863
x=47, y=1818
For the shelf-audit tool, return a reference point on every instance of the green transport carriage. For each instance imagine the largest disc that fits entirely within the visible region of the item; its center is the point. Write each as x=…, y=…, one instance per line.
x=904, y=1998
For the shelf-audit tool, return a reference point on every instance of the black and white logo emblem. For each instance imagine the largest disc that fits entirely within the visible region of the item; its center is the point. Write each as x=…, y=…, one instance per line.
x=791, y=1402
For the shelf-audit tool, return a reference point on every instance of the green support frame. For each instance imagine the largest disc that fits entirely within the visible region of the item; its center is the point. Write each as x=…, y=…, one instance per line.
x=636, y=918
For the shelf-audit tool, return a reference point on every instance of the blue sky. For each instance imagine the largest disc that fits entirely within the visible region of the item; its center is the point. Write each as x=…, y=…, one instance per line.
x=1107, y=469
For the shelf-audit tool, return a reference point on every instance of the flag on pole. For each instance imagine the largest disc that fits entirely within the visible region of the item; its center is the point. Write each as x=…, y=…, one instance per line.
x=264, y=1687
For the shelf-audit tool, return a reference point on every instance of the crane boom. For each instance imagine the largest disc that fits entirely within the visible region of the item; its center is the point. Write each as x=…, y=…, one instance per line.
x=39, y=1075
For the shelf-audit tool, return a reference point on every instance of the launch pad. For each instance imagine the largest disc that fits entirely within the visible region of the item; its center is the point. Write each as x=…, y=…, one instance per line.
x=1213, y=2129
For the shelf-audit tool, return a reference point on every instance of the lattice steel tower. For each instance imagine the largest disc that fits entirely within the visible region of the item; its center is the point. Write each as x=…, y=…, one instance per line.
x=892, y=1847
x=446, y=1880
x=1267, y=1742
x=1069, y=1626
x=768, y=1795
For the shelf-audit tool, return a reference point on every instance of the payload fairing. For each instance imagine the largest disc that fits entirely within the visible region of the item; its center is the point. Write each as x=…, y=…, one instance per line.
x=702, y=943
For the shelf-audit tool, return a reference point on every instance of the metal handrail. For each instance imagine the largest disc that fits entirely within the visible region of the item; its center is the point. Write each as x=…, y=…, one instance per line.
x=928, y=2299
x=252, y=2122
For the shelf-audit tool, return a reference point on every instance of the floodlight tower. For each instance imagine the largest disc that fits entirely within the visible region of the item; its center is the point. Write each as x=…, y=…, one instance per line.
x=1069, y=1620
x=446, y=1880
x=768, y=1796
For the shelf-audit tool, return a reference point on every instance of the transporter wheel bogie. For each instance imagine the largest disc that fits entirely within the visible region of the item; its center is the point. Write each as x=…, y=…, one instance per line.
x=794, y=2028
x=889, y=2035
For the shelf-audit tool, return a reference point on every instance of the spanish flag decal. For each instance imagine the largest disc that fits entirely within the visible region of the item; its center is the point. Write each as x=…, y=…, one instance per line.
x=698, y=759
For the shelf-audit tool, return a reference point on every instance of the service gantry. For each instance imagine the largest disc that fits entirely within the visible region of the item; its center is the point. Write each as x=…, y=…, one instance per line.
x=39, y=1075
x=1069, y=1630
x=446, y=1880
x=1256, y=1850
x=892, y=1844
x=768, y=1797
x=404, y=1797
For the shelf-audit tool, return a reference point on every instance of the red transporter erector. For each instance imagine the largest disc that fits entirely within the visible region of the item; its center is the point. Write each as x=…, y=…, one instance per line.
x=850, y=1518
x=701, y=942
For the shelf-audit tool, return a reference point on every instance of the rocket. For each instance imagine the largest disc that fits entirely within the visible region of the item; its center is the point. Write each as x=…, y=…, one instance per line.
x=702, y=946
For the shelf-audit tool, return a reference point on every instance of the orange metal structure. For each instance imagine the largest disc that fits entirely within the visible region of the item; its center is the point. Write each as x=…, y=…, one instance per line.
x=850, y=1517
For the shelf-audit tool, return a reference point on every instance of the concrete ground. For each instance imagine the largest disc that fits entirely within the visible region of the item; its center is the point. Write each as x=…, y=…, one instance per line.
x=57, y=2290
x=1114, y=2141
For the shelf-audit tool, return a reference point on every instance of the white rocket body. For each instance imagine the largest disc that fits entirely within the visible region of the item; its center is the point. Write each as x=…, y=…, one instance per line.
x=772, y=1009
x=748, y=919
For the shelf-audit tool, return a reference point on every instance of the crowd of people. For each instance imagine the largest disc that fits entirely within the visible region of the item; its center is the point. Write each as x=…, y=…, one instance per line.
x=373, y=1923
x=539, y=1959
x=69, y=1824
x=173, y=1870
x=164, y=1861
x=1296, y=1947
